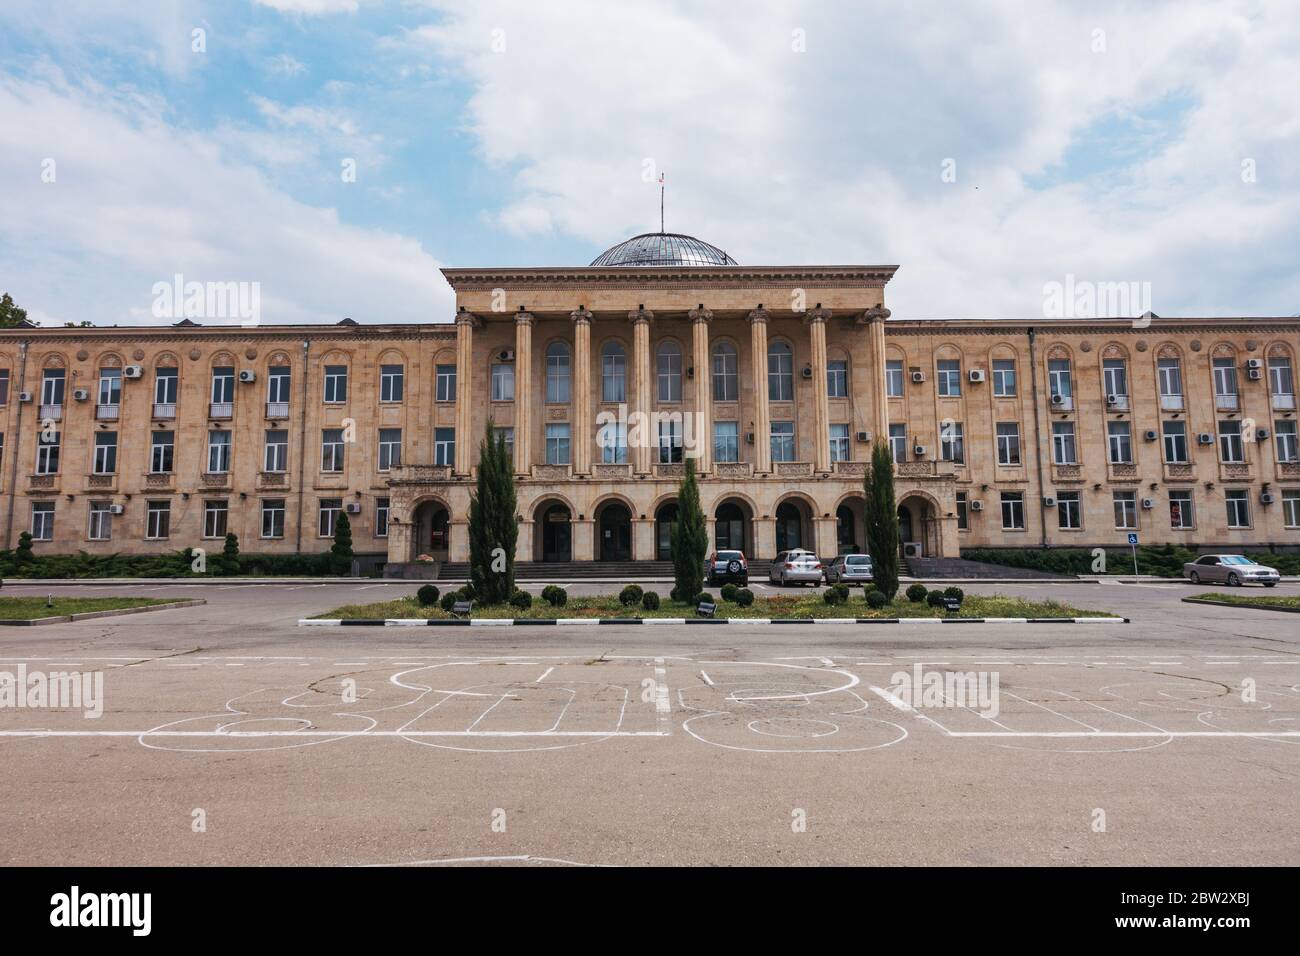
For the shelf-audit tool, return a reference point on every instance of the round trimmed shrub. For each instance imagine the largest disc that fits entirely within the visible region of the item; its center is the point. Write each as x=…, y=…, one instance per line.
x=522, y=600
x=843, y=590
x=729, y=592
x=869, y=587
x=447, y=601
x=832, y=597
x=744, y=597
x=876, y=600
x=650, y=601
x=916, y=593
x=954, y=592
x=935, y=598
x=630, y=595
x=428, y=594
x=555, y=595
x=468, y=591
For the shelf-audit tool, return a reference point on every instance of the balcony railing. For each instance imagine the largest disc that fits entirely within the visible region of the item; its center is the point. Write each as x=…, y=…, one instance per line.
x=1116, y=402
x=1225, y=402
x=1171, y=403
x=277, y=409
x=1281, y=402
x=53, y=413
x=106, y=413
x=221, y=410
x=164, y=411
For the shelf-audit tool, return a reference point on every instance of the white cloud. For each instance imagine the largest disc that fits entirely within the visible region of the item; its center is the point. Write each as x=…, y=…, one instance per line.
x=311, y=7
x=285, y=65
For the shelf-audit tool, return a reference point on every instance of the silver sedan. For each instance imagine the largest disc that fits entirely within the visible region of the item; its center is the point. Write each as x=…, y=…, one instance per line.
x=796, y=567
x=1232, y=569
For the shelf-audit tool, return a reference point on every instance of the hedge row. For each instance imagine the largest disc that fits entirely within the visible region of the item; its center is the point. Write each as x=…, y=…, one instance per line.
x=1165, y=560
x=176, y=564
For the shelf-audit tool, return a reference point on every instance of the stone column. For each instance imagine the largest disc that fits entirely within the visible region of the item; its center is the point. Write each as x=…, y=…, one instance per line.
x=524, y=399
x=874, y=320
x=465, y=323
x=826, y=535
x=640, y=435
x=816, y=322
x=581, y=408
x=762, y=416
x=703, y=425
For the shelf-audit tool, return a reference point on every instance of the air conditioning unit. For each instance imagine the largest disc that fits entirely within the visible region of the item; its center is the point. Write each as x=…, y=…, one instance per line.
x=976, y=375
x=506, y=355
x=24, y=396
x=806, y=371
x=1254, y=363
x=1261, y=434
x=81, y=394
x=133, y=371
x=918, y=451
x=918, y=376
x=1148, y=503
x=1151, y=434
x=353, y=508
x=116, y=509
x=1049, y=501
x=1204, y=438
x=1266, y=498
x=1058, y=399
x=749, y=438
x=1112, y=399
x=247, y=375
x=911, y=549
x=864, y=436
x=977, y=506
x=1254, y=374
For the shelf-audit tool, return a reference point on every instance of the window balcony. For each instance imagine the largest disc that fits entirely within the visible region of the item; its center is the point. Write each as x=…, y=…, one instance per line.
x=1236, y=471
x=221, y=410
x=1122, y=471
x=106, y=413
x=97, y=482
x=159, y=480
x=1171, y=403
x=272, y=479
x=1179, y=471
x=277, y=409
x=1061, y=403
x=1116, y=402
x=53, y=413
x=215, y=479
x=1283, y=402
x=163, y=411
x=1225, y=403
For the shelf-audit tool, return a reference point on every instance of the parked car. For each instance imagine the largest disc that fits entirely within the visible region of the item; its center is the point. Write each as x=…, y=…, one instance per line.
x=796, y=567
x=724, y=567
x=851, y=569
x=1233, y=569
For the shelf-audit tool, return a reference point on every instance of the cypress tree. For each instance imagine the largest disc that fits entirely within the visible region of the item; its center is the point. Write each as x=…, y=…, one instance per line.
x=690, y=539
x=230, y=554
x=881, y=514
x=24, y=554
x=492, y=527
x=342, y=547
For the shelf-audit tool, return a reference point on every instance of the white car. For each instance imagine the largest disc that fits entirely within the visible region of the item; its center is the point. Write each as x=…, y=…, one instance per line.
x=1232, y=569
x=796, y=567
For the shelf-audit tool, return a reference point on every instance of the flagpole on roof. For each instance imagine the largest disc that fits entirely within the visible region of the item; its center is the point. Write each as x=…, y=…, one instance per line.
x=661, y=203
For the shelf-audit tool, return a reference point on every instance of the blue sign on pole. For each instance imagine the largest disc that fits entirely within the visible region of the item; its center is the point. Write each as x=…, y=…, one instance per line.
x=1133, y=546
x=1132, y=537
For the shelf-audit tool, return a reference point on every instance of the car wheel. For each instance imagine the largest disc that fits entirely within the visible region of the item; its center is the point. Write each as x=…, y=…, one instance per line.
x=1270, y=584
x=1194, y=577
x=1233, y=580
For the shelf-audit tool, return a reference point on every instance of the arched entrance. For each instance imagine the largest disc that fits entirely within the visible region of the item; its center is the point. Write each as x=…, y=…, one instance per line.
x=554, y=540
x=731, y=528
x=614, y=524
x=850, y=527
x=905, y=525
x=430, y=531
x=665, y=518
x=919, y=524
x=793, y=525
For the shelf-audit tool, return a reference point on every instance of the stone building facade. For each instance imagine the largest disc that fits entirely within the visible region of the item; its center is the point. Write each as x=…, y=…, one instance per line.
x=776, y=380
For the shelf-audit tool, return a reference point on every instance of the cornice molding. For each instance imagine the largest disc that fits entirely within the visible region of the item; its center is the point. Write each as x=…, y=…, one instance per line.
x=670, y=277
x=1090, y=326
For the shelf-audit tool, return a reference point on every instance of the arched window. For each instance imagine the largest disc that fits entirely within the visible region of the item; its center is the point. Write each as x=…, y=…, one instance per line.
x=725, y=385
x=670, y=372
x=780, y=372
x=613, y=373
x=557, y=372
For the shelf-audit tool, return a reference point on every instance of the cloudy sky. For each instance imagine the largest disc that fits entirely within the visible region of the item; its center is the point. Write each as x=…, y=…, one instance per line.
x=987, y=148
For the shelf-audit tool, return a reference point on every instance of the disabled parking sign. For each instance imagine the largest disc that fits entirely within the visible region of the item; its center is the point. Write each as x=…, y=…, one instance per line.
x=1132, y=537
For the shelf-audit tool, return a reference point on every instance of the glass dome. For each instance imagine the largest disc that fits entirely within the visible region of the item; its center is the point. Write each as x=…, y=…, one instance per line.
x=663, y=249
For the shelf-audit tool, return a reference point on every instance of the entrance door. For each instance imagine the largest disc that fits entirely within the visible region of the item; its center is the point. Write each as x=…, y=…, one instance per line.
x=729, y=528
x=665, y=518
x=615, y=533
x=789, y=529
x=556, y=538
x=905, y=535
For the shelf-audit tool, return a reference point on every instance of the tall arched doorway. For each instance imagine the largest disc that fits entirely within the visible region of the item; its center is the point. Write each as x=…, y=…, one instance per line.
x=731, y=527
x=919, y=524
x=555, y=540
x=850, y=527
x=430, y=536
x=905, y=526
x=614, y=524
x=665, y=518
x=793, y=525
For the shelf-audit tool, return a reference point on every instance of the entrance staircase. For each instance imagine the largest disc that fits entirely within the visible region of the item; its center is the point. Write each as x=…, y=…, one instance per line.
x=561, y=571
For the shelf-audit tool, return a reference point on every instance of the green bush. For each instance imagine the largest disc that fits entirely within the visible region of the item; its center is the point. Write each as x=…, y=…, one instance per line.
x=427, y=595
x=935, y=598
x=832, y=597
x=744, y=597
x=630, y=595
x=876, y=599
x=916, y=593
x=448, y=600
x=729, y=592
x=869, y=587
x=650, y=601
x=954, y=592
x=522, y=600
x=843, y=590
x=555, y=595
x=470, y=592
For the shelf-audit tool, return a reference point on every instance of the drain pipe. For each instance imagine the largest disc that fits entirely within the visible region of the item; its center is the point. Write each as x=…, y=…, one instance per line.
x=1038, y=440
x=16, y=444
x=302, y=440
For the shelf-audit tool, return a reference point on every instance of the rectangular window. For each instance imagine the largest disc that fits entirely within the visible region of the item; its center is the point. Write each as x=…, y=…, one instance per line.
x=273, y=518
x=1013, y=510
x=898, y=441
x=47, y=452
x=1291, y=508
x=1059, y=383
x=279, y=382
x=215, y=512
x=105, y=453
x=218, y=451
x=101, y=521
x=1068, y=515
x=110, y=388
x=668, y=372
x=4, y=386
x=158, y=520
x=726, y=441
x=331, y=450
x=783, y=441
x=330, y=509
x=557, y=444
x=963, y=511
x=52, y=382
x=444, y=446
x=166, y=387
x=1004, y=378
x=670, y=441
x=1119, y=439
x=894, y=378
x=1114, y=375
x=949, y=377
x=508, y=436
x=503, y=382
x=336, y=384
x=276, y=456
x=390, y=448
x=382, y=510
x=612, y=438
x=952, y=443
x=1238, y=504
x=1181, y=515
x=1169, y=372
x=1008, y=443
x=2, y=448
x=840, y=443
x=780, y=373
x=1175, y=442
x=725, y=380
x=1063, y=447
x=163, y=453
x=1231, y=448
x=392, y=383
x=1281, y=382
x=444, y=389
x=43, y=520
x=837, y=379
x=223, y=385
x=1125, y=503
x=1284, y=433
x=1225, y=383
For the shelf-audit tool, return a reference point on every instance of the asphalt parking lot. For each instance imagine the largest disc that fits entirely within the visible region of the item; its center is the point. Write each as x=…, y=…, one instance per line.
x=1173, y=739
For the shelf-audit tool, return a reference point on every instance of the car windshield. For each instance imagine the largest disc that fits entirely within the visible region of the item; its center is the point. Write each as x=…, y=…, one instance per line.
x=857, y=559
x=1236, y=559
x=728, y=555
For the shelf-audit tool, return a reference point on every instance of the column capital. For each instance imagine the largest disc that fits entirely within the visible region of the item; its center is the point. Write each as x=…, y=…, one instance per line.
x=817, y=315
x=641, y=314
x=581, y=315
x=700, y=314
x=759, y=315
x=524, y=318
x=468, y=318
x=877, y=313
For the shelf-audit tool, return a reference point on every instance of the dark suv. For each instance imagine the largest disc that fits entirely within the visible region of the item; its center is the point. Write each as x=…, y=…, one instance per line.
x=727, y=566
